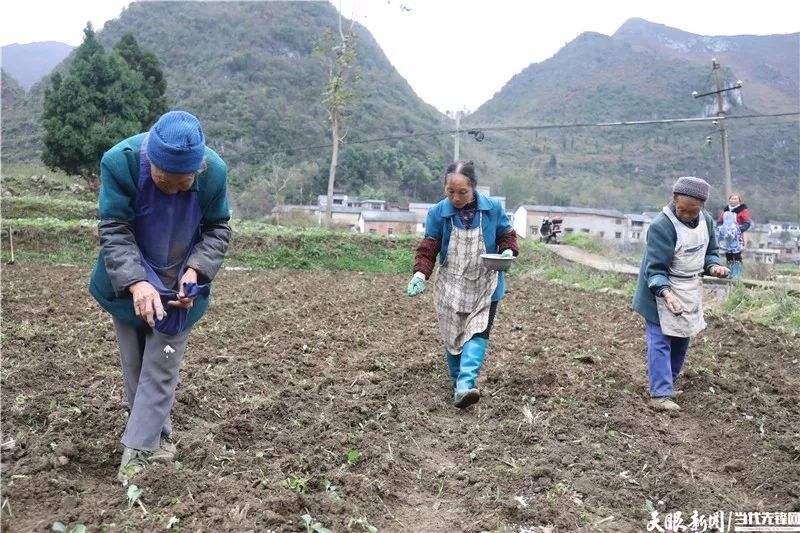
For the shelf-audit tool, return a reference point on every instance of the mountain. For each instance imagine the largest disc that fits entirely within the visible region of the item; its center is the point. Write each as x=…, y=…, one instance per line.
x=769, y=64
x=29, y=63
x=12, y=91
x=250, y=72
x=645, y=72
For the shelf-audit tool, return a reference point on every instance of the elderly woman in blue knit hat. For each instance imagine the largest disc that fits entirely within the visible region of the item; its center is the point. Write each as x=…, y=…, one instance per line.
x=681, y=247
x=163, y=235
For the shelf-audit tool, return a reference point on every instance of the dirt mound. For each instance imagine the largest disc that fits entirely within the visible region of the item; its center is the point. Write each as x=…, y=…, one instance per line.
x=325, y=394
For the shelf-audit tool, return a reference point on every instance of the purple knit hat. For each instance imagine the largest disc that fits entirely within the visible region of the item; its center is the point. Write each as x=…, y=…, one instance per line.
x=176, y=143
x=691, y=186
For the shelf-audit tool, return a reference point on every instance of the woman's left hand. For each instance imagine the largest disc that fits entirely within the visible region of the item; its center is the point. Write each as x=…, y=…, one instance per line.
x=190, y=276
x=507, y=253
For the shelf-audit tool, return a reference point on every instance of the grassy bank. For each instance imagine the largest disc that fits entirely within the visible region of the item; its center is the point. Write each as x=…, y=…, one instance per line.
x=772, y=307
x=48, y=240
x=254, y=245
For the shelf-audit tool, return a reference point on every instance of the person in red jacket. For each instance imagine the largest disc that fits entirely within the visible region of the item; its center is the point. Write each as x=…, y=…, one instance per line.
x=744, y=223
x=736, y=206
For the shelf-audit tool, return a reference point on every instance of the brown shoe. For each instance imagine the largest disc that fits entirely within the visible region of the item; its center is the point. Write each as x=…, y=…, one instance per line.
x=664, y=403
x=133, y=462
x=166, y=452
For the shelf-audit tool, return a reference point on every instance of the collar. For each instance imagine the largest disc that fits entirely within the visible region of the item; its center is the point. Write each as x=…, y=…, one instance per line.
x=449, y=210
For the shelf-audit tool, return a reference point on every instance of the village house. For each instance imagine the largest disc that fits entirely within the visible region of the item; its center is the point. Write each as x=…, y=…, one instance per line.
x=608, y=224
x=637, y=226
x=387, y=222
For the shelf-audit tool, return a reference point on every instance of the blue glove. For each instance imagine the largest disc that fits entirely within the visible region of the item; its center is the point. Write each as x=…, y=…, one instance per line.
x=417, y=284
x=507, y=253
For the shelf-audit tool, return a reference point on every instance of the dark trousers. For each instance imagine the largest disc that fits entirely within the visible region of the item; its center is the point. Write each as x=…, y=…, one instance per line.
x=492, y=311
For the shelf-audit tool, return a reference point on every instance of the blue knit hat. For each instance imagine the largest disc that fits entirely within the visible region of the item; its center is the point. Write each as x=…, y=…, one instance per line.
x=176, y=143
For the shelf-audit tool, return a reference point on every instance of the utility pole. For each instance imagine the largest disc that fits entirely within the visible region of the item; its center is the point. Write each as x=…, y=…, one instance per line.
x=457, y=137
x=722, y=129
x=723, y=132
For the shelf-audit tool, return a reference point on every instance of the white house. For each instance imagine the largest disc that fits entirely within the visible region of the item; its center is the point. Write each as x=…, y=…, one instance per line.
x=421, y=210
x=387, y=222
x=637, y=226
x=608, y=224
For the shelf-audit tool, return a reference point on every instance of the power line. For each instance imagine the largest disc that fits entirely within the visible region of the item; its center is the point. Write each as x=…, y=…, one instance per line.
x=478, y=130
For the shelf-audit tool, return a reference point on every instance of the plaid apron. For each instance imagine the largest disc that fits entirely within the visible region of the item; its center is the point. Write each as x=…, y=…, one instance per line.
x=464, y=288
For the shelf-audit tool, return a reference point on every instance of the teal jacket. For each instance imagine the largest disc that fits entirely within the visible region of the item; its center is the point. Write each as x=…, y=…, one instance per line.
x=118, y=263
x=495, y=225
x=654, y=271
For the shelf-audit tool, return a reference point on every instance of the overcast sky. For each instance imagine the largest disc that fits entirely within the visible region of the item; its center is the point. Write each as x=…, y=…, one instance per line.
x=455, y=53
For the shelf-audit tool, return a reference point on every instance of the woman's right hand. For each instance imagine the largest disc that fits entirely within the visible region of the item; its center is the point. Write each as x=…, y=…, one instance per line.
x=417, y=284
x=147, y=302
x=673, y=304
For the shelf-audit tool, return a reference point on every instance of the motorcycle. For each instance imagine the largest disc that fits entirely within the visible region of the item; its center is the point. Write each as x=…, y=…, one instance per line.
x=550, y=229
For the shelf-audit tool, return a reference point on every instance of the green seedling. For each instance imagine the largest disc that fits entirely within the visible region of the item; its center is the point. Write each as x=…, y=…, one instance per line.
x=313, y=526
x=330, y=489
x=134, y=497
x=364, y=523
x=61, y=528
x=353, y=456
x=296, y=484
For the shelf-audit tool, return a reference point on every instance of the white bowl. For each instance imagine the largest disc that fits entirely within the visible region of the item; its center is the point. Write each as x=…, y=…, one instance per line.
x=497, y=261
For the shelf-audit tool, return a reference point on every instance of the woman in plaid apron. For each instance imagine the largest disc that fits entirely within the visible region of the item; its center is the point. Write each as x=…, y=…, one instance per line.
x=459, y=229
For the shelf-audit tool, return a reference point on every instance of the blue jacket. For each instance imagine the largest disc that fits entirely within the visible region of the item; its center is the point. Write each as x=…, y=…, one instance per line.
x=495, y=224
x=118, y=264
x=654, y=271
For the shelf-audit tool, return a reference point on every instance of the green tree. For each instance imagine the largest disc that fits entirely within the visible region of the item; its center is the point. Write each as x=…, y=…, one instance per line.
x=154, y=86
x=98, y=103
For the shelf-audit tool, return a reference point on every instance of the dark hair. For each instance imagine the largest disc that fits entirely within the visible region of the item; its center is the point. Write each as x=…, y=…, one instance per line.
x=465, y=168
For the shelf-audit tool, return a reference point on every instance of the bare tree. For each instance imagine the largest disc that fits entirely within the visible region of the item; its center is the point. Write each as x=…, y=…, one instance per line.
x=340, y=54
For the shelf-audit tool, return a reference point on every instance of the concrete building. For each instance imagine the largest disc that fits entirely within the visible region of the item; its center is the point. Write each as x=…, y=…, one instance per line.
x=636, y=228
x=339, y=198
x=761, y=255
x=340, y=215
x=608, y=224
x=421, y=210
x=387, y=222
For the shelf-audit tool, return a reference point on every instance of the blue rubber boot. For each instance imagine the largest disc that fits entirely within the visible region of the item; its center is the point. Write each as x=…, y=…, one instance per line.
x=737, y=270
x=471, y=362
x=454, y=365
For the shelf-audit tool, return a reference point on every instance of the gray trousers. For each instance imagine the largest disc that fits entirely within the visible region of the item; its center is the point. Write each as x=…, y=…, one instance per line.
x=150, y=365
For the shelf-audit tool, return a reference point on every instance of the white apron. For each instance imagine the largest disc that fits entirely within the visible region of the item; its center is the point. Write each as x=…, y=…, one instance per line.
x=464, y=288
x=686, y=279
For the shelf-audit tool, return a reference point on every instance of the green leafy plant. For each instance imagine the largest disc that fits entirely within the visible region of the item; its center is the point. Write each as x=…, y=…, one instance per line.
x=353, y=457
x=296, y=484
x=59, y=527
x=362, y=521
x=330, y=489
x=313, y=526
